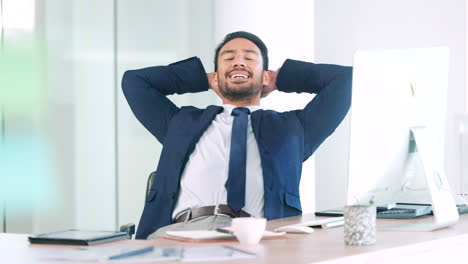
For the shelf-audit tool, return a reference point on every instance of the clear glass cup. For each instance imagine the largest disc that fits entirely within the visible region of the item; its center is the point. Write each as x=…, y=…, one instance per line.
x=360, y=225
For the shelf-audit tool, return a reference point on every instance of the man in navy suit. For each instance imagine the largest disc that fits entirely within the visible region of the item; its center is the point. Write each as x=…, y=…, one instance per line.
x=237, y=159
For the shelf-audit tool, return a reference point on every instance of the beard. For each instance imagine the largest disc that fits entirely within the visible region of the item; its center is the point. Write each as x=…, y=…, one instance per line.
x=240, y=92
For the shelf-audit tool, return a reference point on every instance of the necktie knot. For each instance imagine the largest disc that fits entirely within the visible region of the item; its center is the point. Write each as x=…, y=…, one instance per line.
x=240, y=110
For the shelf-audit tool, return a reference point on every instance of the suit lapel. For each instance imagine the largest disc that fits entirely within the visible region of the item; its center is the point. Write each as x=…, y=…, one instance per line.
x=256, y=119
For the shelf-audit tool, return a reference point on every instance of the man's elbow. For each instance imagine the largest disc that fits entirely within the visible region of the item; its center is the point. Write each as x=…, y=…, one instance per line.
x=347, y=87
x=349, y=76
x=127, y=78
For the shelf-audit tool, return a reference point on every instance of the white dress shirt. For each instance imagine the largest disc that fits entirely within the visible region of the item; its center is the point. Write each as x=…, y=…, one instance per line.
x=206, y=171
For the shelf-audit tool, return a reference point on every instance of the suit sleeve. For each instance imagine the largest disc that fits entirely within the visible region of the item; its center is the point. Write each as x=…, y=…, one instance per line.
x=332, y=86
x=146, y=90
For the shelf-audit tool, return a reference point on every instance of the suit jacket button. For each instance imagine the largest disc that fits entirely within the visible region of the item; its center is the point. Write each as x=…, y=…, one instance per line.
x=173, y=195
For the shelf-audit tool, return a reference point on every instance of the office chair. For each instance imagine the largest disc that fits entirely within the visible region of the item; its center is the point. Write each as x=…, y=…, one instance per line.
x=149, y=183
x=130, y=227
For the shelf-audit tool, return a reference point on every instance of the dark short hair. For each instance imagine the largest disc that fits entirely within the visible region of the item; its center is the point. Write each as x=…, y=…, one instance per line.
x=246, y=35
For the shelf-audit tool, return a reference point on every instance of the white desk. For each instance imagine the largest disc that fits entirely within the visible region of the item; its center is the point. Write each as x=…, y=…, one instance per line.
x=448, y=245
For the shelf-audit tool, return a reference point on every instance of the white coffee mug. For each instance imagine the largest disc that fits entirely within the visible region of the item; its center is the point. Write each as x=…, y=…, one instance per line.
x=248, y=230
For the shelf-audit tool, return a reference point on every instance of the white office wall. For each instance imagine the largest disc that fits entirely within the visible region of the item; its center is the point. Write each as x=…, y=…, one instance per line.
x=342, y=27
x=463, y=150
x=78, y=116
x=56, y=122
x=287, y=28
x=464, y=124
x=78, y=120
x=94, y=108
x=17, y=121
x=42, y=133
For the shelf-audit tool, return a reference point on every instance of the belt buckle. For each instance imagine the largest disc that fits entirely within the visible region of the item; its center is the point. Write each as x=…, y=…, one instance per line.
x=218, y=213
x=187, y=212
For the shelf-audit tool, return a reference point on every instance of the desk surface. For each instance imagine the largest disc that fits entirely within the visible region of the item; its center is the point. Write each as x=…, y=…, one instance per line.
x=325, y=246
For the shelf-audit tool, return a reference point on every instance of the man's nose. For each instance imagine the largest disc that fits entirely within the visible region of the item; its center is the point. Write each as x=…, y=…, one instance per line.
x=239, y=62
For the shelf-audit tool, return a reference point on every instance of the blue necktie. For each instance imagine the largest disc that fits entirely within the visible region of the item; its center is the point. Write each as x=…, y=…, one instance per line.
x=235, y=183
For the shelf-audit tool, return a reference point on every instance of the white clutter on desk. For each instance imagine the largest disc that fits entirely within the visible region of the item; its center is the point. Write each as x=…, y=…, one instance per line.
x=307, y=227
x=298, y=229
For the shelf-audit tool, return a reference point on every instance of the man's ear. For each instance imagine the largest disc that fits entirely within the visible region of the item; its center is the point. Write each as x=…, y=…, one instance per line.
x=266, y=77
x=215, y=80
x=212, y=80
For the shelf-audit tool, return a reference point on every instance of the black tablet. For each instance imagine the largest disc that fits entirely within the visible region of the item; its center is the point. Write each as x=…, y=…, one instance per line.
x=78, y=237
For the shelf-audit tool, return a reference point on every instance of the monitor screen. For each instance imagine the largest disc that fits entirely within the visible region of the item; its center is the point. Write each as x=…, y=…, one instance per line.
x=394, y=91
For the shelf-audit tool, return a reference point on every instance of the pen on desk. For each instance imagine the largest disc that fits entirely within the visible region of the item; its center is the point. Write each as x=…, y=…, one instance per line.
x=132, y=253
x=226, y=231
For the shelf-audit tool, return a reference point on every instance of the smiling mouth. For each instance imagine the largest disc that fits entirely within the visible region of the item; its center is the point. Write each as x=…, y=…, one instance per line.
x=239, y=75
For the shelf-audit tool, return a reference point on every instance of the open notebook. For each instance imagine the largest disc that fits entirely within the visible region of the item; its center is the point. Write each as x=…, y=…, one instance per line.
x=212, y=235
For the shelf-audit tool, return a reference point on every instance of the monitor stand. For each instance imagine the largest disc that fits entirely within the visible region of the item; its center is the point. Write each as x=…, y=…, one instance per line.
x=443, y=206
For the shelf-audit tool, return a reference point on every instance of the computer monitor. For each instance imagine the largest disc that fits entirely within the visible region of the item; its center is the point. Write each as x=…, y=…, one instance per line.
x=398, y=130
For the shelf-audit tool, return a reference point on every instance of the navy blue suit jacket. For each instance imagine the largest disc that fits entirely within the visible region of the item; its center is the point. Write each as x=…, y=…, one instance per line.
x=284, y=140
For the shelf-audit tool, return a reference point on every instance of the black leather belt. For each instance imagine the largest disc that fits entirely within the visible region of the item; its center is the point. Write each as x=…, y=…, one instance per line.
x=221, y=209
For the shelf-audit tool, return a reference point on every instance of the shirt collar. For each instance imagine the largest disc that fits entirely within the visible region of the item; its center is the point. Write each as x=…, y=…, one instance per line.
x=228, y=108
